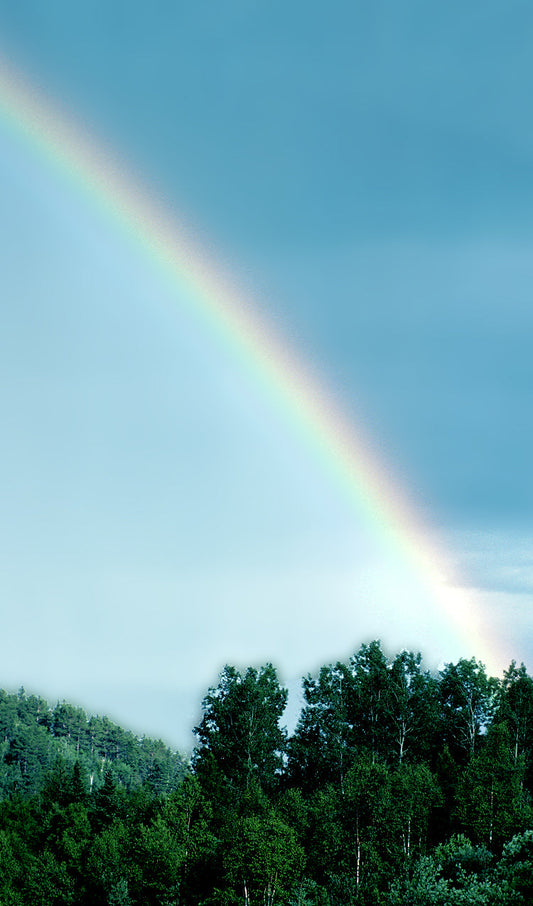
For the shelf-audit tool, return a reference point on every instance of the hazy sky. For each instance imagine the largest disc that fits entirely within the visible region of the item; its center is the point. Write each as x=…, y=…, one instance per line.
x=364, y=170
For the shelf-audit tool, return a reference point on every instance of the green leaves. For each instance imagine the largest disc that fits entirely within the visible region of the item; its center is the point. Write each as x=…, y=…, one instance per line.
x=386, y=764
x=515, y=709
x=34, y=736
x=262, y=858
x=415, y=793
x=240, y=739
x=492, y=804
x=370, y=706
x=468, y=699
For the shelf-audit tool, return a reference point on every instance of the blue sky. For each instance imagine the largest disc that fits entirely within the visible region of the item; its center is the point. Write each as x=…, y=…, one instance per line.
x=365, y=171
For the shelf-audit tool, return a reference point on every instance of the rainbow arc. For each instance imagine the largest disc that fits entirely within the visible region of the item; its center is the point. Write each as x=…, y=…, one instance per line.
x=294, y=390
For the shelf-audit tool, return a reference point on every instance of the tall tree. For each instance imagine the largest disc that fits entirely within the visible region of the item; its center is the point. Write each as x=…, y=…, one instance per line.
x=492, y=804
x=515, y=708
x=369, y=820
x=348, y=712
x=370, y=706
x=468, y=698
x=240, y=738
x=321, y=749
x=263, y=860
x=415, y=793
x=412, y=702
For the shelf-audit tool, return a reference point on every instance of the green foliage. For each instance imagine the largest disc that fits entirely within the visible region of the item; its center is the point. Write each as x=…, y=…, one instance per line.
x=110, y=865
x=515, y=870
x=308, y=893
x=322, y=747
x=468, y=699
x=515, y=710
x=33, y=737
x=397, y=787
x=412, y=703
x=457, y=873
x=262, y=859
x=370, y=704
x=492, y=804
x=415, y=794
x=388, y=710
x=240, y=739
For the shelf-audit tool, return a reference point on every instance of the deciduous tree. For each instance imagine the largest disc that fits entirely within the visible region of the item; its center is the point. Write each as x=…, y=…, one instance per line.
x=240, y=737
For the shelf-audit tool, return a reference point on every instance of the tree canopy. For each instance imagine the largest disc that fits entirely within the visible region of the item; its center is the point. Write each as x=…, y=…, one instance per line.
x=396, y=786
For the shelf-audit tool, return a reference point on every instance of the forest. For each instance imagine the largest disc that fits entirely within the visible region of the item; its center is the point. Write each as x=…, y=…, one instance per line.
x=397, y=786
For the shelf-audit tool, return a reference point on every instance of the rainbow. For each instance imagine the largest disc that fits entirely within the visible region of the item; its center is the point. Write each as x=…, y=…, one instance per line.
x=293, y=389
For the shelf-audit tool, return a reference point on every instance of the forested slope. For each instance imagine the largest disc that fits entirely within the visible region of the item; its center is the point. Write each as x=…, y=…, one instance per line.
x=396, y=787
x=35, y=737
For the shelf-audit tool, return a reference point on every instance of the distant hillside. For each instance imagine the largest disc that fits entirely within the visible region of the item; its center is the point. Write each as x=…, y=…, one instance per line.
x=34, y=736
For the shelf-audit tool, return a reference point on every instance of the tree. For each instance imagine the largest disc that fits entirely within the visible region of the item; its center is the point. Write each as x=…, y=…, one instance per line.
x=161, y=853
x=349, y=710
x=492, y=804
x=468, y=699
x=515, y=869
x=414, y=793
x=70, y=722
x=240, y=739
x=515, y=707
x=263, y=859
x=111, y=864
x=321, y=749
x=353, y=841
x=187, y=815
x=413, y=707
x=369, y=707
x=457, y=874
x=370, y=819
x=14, y=856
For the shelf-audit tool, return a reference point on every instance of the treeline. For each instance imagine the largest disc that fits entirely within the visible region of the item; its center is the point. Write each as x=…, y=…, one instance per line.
x=397, y=788
x=34, y=737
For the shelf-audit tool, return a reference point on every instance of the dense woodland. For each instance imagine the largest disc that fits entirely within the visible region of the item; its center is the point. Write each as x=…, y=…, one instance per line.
x=397, y=787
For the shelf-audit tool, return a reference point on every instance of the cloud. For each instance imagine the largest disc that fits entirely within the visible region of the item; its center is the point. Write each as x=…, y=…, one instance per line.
x=499, y=561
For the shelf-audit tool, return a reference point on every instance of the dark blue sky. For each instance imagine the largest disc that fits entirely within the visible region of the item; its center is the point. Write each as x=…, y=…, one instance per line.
x=370, y=166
